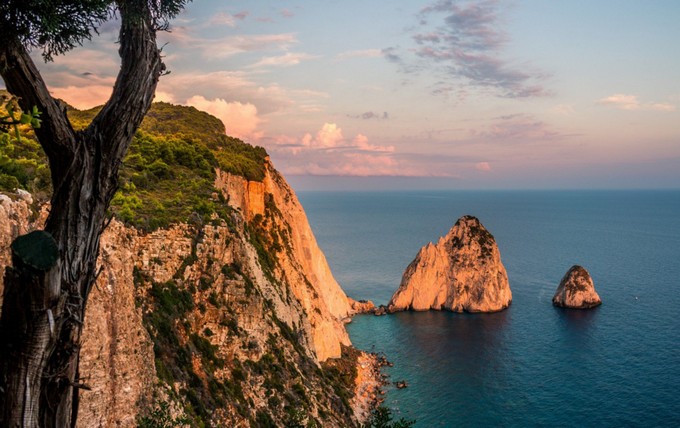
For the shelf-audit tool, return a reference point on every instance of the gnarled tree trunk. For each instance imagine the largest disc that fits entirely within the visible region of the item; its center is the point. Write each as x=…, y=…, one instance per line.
x=43, y=311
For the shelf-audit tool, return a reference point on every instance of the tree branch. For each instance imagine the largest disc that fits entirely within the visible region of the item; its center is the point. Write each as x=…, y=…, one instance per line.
x=23, y=79
x=133, y=92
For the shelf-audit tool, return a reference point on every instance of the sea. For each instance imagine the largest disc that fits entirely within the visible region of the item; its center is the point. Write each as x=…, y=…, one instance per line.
x=617, y=365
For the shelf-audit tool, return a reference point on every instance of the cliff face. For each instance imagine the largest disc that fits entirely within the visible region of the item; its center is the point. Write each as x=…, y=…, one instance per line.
x=462, y=272
x=274, y=205
x=576, y=290
x=229, y=322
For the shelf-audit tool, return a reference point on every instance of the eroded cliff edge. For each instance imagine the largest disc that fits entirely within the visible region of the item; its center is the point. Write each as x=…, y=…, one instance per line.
x=232, y=320
x=463, y=272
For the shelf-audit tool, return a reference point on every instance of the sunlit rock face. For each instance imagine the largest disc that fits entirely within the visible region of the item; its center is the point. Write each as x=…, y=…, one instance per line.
x=576, y=290
x=302, y=262
x=249, y=292
x=463, y=272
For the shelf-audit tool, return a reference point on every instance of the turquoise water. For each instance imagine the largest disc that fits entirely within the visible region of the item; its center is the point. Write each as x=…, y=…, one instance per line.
x=533, y=364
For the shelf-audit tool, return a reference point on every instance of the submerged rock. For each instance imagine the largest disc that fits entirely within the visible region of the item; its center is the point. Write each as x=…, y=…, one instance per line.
x=576, y=290
x=463, y=272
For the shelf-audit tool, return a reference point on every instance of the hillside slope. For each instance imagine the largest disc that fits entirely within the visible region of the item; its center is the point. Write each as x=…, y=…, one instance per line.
x=213, y=297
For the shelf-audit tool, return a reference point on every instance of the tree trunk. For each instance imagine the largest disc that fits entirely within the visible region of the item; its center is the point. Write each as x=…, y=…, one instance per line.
x=31, y=300
x=43, y=310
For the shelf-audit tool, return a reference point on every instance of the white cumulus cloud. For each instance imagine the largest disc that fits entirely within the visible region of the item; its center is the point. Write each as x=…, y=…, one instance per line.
x=240, y=119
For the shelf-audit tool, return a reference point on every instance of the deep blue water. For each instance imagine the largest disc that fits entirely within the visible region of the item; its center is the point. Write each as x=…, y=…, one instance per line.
x=533, y=364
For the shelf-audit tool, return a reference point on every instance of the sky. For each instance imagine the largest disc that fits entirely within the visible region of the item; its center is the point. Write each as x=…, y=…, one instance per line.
x=431, y=94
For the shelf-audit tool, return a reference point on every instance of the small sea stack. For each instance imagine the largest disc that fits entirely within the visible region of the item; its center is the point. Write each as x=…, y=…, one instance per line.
x=463, y=272
x=576, y=290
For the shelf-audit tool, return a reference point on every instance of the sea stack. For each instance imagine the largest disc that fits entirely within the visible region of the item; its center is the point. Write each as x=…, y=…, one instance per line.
x=576, y=290
x=461, y=273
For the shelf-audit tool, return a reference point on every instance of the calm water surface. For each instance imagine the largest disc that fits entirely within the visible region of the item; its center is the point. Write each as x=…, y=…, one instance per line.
x=533, y=364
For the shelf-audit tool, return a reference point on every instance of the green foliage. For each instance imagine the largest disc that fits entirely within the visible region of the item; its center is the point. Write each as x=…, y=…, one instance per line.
x=169, y=171
x=23, y=164
x=168, y=175
x=11, y=115
x=59, y=26
x=160, y=417
x=341, y=374
x=382, y=418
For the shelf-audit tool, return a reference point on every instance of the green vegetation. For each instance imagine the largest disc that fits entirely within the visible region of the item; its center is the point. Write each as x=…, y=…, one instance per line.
x=176, y=347
x=167, y=176
x=382, y=418
x=341, y=374
x=23, y=164
x=160, y=417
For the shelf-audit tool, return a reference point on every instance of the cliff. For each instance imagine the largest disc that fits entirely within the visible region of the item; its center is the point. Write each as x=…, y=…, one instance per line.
x=462, y=272
x=230, y=317
x=219, y=320
x=274, y=206
x=576, y=290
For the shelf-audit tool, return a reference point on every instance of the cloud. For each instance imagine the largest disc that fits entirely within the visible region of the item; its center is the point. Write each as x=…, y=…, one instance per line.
x=286, y=60
x=364, y=53
x=631, y=103
x=83, y=98
x=228, y=46
x=236, y=85
x=483, y=166
x=329, y=152
x=287, y=13
x=463, y=41
x=240, y=120
x=224, y=18
x=370, y=115
x=518, y=127
x=392, y=55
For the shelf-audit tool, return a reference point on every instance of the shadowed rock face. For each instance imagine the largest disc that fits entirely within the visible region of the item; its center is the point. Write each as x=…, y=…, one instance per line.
x=576, y=290
x=463, y=272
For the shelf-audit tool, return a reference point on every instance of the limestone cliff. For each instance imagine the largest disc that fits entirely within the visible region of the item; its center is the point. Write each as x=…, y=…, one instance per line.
x=229, y=321
x=274, y=206
x=462, y=272
x=576, y=290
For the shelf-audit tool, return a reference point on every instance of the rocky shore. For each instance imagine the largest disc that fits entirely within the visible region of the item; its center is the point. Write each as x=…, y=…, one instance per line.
x=368, y=393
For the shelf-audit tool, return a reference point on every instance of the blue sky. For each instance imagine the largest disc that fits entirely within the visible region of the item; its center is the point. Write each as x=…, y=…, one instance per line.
x=435, y=94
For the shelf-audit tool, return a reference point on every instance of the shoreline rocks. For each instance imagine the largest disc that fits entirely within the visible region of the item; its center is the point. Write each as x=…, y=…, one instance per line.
x=463, y=272
x=576, y=290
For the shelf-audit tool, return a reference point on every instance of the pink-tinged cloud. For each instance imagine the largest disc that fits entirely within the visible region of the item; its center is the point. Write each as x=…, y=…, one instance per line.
x=286, y=60
x=329, y=152
x=238, y=85
x=83, y=98
x=220, y=48
x=329, y=136
x=82, y=91
x=483, y=166
x=519, y=127
x=240, y=120
x=631, y=103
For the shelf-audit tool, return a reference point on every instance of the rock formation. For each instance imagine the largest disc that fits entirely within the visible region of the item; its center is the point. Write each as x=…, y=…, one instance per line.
x=576, y=290
x=220, y=320
x=461, y=273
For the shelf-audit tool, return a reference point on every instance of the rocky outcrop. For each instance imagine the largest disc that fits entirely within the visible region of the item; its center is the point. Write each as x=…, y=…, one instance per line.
x=221, y=320
x=576, y=290
x=463, y=272
x=361, y=306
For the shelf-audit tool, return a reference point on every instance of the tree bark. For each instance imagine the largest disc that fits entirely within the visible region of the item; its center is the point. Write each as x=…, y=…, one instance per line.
x=40, y=347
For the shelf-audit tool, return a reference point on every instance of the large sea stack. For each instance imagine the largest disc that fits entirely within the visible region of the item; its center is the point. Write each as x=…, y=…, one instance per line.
x=576, y=290
x=463, y=272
